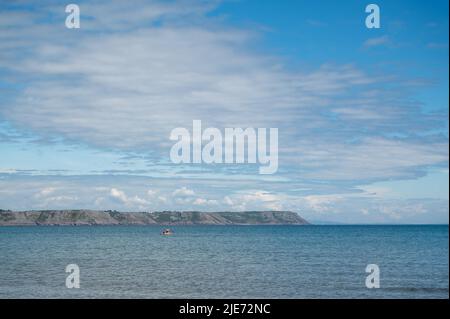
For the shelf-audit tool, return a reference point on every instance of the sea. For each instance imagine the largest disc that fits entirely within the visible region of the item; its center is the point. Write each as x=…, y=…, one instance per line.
x=225, y=261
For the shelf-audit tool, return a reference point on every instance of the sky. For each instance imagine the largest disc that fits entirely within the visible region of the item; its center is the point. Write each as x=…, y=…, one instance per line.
x=362, y=114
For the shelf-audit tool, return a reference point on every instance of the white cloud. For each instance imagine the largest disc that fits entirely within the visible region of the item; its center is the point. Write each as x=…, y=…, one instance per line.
x=133, y=201
x=205, y=202
x=16, y=192
x=151, y=193
x=183, y=191
x=200, y=201
x=63, y=199
x=162, y=199
x=227, y=201
x=370, y=158
x=150, y=80
x=45, y=192
x=254, y=200
x=115, y=193
x=322, y=203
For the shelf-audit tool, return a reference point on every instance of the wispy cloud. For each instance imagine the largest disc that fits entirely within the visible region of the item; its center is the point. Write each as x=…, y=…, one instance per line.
x=376, y=42
x=436, y=45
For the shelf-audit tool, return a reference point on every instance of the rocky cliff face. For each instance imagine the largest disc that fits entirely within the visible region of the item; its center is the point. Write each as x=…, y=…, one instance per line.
x=91, y=217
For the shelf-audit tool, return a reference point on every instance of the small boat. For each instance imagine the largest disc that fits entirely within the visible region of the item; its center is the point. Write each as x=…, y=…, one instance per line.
x=167, y=232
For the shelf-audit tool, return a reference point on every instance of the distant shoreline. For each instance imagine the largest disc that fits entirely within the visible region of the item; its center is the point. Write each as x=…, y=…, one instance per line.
x=163, y=218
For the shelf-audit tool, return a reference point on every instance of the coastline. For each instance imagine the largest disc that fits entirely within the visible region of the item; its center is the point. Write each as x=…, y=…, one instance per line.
x=164, y=218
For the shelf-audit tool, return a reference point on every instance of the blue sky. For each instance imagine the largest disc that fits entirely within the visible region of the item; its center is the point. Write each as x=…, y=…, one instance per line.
x=362, y=114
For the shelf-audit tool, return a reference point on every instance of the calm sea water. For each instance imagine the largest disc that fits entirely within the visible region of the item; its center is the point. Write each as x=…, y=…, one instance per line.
x=225, y=261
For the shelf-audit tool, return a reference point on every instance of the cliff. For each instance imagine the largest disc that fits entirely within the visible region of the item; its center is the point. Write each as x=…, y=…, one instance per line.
x=92, y=217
